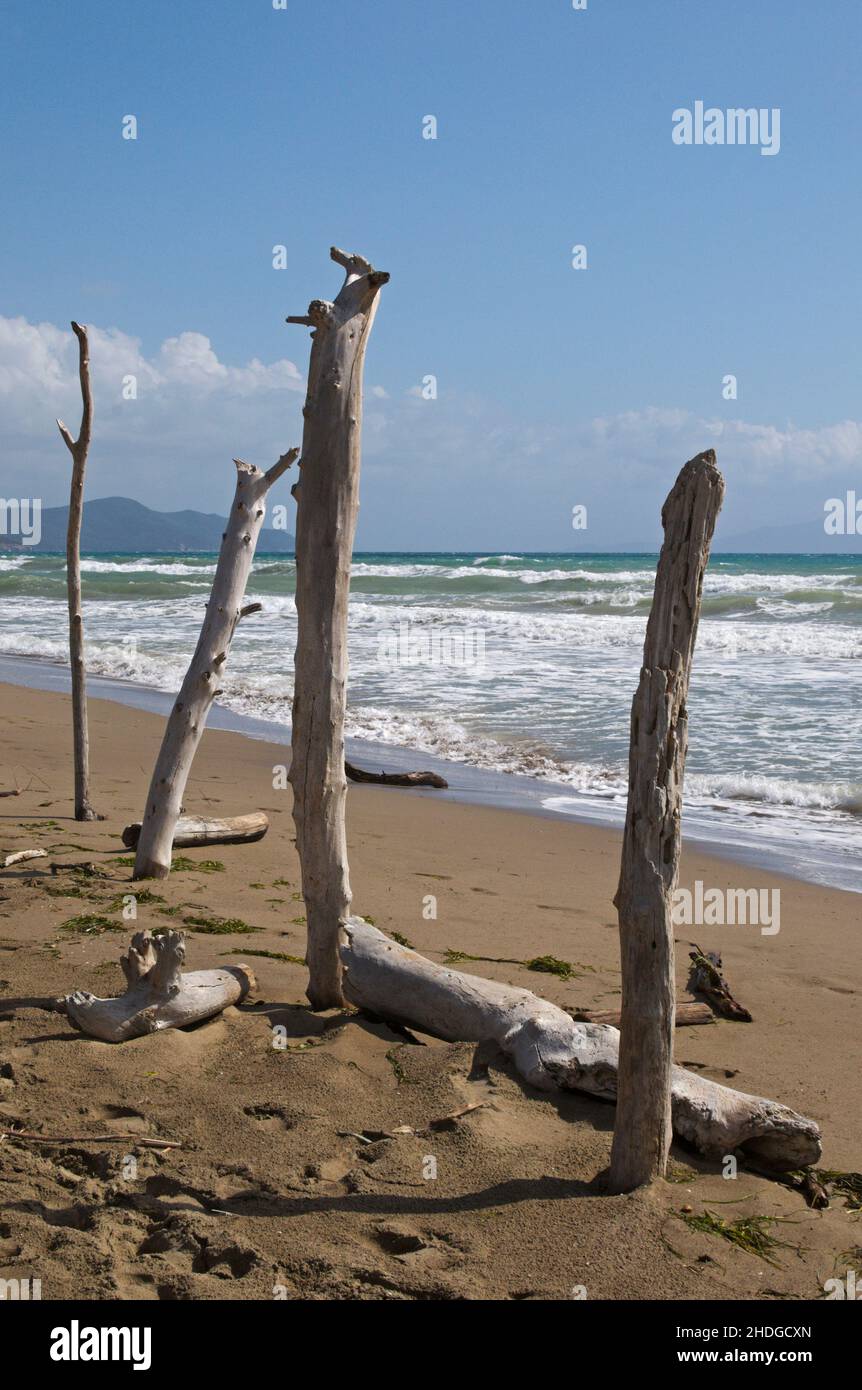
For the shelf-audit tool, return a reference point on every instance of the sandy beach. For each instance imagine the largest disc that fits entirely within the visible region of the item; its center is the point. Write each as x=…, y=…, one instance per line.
x=284, y=1185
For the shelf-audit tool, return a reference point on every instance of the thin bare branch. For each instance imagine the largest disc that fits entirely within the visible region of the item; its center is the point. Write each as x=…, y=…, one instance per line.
x=281, y=466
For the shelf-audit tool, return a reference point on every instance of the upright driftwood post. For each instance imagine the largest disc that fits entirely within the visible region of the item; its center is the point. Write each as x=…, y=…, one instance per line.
x=651, y=842
x=327, y=503
x=188, y=717
x=79, y=449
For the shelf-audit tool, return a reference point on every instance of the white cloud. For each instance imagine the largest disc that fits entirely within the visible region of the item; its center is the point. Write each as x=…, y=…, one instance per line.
x=192, y=413
x=657, y=437
x=514, y=474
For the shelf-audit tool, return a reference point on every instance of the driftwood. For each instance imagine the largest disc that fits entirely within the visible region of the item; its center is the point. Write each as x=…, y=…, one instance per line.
x=395, y=779
x=327, y=498
x=188, y=717
x=686, y=1015
x=22, y=854
x=158, y=995
x=651, y=840
x=550, y=1050
x=705, y=978
x=201, y=830
x=79, y=449
x=133, y=1139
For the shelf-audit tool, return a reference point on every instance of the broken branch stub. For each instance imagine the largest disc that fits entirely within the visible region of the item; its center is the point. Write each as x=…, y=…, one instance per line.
x=550, y=1050
x=327, y=497
x=651, y=840
x=188, y=717
x=157, y=994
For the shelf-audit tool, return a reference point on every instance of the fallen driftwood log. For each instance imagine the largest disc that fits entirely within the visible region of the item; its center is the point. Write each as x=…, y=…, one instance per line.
x=705, y=978
x=200, y=830
x=687, y=1015
x=22, y=854
x=550, y=1050
x=158, y=994
x=395, y=779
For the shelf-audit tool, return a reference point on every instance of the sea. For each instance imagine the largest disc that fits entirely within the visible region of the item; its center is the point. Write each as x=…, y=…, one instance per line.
x=516, y=673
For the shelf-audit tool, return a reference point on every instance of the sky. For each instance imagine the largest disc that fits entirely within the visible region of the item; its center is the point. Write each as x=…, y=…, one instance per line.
x=556, y=386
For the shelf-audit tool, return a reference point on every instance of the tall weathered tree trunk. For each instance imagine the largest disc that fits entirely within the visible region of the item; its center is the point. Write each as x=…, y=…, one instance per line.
x=189, y=715
x=327, y=503
x=79, y=449
x=651, y=842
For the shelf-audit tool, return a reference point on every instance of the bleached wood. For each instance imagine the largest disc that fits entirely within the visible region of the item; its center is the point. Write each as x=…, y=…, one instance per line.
x=190, y=831
x=188, y=717
x=157, y=994
x=79, y=449
x=550, y=1050
x=686, y=1015
x=327, y=502
x=22, y=854
x=651, y=840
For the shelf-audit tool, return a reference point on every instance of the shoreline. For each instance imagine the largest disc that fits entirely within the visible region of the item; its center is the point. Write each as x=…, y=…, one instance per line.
x=468, y=785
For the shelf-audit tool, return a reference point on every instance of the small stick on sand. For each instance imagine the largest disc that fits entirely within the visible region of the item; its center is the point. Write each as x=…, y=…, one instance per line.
x=90, y=1139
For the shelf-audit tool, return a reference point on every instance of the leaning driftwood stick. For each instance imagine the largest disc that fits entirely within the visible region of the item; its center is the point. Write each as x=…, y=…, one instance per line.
x=651, y=840
x=188, y=717
x=327, y=498
x=395, y=779
x=158, y=996
x=551, y=1051
x=705, y=978
x=79, y=449
x=687, y=1015
x=199, y=830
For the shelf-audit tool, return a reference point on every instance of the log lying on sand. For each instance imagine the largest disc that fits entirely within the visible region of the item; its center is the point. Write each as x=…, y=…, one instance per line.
x=22, y=854
x=395, y=779
x=199, y=830
x=550, y=1050
x=687, y=1015
x=158, y=995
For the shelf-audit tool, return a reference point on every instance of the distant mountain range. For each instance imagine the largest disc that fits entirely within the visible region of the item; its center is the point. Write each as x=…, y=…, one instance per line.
x=117, y=525
x=801, y=538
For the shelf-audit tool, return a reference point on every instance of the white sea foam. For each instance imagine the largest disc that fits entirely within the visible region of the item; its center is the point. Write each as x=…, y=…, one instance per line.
x=134, y=565
x=776, y=698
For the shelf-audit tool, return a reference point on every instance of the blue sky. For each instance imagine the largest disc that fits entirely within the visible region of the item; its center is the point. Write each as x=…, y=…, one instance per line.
x=303, y=127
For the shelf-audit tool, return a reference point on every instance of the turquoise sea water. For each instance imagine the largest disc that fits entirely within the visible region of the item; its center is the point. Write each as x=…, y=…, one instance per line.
x=527, y=664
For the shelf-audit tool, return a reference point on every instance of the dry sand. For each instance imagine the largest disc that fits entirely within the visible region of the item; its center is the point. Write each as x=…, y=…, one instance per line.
x=265, y=1191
